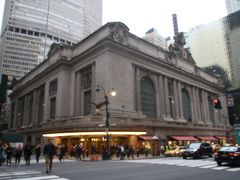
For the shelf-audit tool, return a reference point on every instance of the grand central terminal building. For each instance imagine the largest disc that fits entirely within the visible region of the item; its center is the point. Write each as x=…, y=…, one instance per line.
x=161, y=97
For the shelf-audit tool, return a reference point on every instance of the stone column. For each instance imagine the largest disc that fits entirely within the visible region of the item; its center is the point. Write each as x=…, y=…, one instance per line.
x=46, y=105
x=162, y=108
x=14, y=122
x=25, y=111
x=138, y=90
x=176, y=99
x=194, y=99
x=34, y=109
x=199, y=117
x=179, y=88
x=191, y=103
x=93, y=93
x=78, y=92
x=204, y=107
x=166, y=96
x=207, y=107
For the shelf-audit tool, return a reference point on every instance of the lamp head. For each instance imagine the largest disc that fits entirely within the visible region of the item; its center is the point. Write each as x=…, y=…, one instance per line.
x=113, y=93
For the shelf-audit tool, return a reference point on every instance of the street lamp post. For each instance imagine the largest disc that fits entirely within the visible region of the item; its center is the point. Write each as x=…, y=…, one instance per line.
x=107, y=125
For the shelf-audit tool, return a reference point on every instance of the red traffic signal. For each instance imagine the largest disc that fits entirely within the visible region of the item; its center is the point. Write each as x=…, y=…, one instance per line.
x=217, y=103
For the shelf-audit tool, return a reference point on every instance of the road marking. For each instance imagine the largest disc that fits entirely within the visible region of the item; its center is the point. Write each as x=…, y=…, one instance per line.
x=29, y=175
x=38, y=178
x=209, y=166
x=233, y=169
x=221, y=167
x=206, y=164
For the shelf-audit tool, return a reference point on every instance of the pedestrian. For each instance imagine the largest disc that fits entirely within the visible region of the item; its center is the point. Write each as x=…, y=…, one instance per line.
x=49, y=151
x=18, y=155
x=61, y=152
x=131, y=152
x=9, y=153
x=37, y=152
x=122, y=152
x=1, y=153
x=27, y=153
x=78, y=152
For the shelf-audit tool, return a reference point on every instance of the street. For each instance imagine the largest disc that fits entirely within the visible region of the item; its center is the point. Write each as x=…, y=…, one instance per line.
x=141, y=169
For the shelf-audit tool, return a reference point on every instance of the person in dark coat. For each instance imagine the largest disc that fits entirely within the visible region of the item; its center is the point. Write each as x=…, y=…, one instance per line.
x=9, y=153
x=62, y=152
x=27, y=153
x=49, y=151
x=37, y=152
x=18, y=155
x=1, y=153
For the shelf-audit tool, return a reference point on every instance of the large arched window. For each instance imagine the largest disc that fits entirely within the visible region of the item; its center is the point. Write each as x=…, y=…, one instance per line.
x=211, y=109
x=148, y=98
x=186, y=105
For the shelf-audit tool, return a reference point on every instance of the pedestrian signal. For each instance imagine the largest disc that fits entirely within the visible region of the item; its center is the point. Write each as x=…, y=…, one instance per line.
x=217, y=103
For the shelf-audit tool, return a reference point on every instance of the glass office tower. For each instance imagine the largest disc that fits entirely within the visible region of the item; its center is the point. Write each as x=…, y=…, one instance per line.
x=29, y=27
x=232, y=6
x=218, y=43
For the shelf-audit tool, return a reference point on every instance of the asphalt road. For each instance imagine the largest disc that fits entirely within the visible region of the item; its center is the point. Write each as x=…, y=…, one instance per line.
x=147, y=169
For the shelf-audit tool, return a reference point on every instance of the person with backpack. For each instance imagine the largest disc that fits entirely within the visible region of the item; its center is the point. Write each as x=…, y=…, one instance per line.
x=49, y=151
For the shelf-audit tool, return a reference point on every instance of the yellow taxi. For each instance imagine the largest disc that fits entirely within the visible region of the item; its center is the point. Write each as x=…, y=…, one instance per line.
x=175, y=152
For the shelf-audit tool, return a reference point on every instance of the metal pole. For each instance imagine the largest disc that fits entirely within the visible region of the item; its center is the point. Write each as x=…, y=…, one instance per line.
x=107, y=126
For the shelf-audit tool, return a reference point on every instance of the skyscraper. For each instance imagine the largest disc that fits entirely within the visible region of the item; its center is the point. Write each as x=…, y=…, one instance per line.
x=29, y=27
x=217, y=43
x=232, y=6
x=153, y=37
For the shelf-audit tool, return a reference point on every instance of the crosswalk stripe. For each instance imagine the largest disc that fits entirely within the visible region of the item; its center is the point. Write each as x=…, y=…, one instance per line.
x=233, y=169
x=221, y=168
x=38, y=178
x=28, y=175
x=200, y=163
x=209, y=166
x=19, y=173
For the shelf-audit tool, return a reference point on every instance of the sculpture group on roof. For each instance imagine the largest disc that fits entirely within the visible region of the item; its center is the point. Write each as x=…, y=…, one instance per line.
x=177, y=50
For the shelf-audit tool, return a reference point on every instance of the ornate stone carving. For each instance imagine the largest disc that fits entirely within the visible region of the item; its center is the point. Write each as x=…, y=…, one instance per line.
x=120, y=32
x=177, y=50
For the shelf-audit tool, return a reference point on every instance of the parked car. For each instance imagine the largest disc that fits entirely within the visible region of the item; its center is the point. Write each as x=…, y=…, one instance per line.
x=174, y=152
x=197, y=150
x=228, y=154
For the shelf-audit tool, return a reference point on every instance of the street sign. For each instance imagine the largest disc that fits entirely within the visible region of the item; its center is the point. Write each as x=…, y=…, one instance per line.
x=230, y=101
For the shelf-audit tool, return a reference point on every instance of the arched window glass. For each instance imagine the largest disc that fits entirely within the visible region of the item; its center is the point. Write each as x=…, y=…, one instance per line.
x=148, y=98
x=186, y=105
x=211, y=109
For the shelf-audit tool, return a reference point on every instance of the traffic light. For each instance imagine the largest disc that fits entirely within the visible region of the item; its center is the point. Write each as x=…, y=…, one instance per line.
x=217, y=103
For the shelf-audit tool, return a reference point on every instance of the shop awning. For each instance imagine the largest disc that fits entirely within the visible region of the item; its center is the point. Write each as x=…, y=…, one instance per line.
x=206, y=138
x=6, y=137
x=221, y=137
x=184, y=138
x=148, y=138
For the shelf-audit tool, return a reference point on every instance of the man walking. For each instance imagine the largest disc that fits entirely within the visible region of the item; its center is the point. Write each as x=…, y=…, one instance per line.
x=49, y=151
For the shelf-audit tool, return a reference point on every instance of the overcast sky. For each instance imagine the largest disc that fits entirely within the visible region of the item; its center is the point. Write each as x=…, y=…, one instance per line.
x=142, y=15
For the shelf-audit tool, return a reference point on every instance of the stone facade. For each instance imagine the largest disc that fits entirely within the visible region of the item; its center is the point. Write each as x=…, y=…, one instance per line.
x=59, y=95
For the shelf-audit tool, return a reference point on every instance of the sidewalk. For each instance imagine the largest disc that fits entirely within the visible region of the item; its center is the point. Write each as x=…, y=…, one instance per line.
x=115, y=158
x=69, y=159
